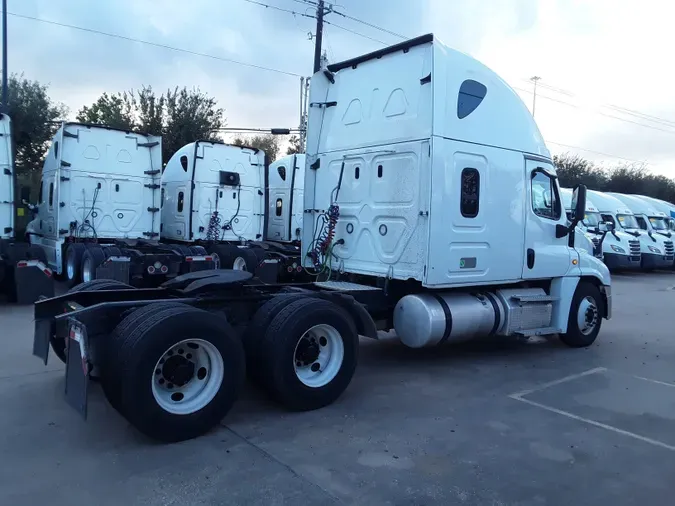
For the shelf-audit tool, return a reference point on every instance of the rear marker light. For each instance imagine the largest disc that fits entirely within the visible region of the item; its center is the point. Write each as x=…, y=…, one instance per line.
x=151, y=269
x=164, y=269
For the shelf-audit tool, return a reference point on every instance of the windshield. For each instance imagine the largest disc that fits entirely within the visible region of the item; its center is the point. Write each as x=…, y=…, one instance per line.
x=658, y=222
x=592, y=219
x=627, y=221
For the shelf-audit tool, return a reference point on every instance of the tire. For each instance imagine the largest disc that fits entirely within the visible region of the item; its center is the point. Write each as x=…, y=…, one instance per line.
x=585, y=294
x=182, y=249
x=223, y=255
x=110, y=364
x=255, y=332
x=73, y=263
x=244, y=260
x=91, y=259
x=280, y=343
x=58, y=345
x=198, y=251
x=143, y=338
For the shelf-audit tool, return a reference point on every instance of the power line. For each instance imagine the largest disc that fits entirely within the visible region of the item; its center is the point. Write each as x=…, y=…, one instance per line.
x=597, y=112
x=354, y=32
x=274, y=7
x=371, y=25
x=623, y=110
x=592, y=151
x=306, y=2
x=155, y=44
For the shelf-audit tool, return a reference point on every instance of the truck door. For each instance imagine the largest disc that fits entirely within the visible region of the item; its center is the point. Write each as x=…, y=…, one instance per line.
x=545, y=255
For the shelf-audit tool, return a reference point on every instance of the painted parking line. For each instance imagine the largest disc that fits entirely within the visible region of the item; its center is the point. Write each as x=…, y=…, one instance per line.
x=520, y=396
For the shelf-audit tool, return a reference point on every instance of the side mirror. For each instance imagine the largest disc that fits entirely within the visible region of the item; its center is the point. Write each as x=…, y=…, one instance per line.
x=606, y=226
x=579, y=202
x=25, y=193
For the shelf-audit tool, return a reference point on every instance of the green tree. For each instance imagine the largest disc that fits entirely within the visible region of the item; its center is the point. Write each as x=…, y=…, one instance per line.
x=573, y=169
x=117, y=111
x=295, y=146
x=268, y=143
x=180, y=116
x=34, y=122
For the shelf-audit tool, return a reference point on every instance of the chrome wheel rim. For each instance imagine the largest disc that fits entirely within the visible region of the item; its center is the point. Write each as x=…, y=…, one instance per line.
x=239, y=264
x=318, y=356
x=588, y=315
x=188, y=376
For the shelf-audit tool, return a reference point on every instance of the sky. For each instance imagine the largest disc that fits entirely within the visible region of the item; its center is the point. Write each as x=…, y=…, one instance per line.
x=605, y=91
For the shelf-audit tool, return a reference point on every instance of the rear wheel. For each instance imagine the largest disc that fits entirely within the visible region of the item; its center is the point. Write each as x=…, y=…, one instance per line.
x=245, y=260
x=177, y=369
x=585, y=317
x=92, y=258
x=73, y=263
x=58, y=344
x=310, y=352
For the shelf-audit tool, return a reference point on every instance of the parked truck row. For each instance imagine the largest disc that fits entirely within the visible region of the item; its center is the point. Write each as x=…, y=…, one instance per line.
x=430, y=207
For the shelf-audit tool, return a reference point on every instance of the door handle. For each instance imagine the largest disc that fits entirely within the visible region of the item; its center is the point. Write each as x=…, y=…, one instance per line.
x=530, y=258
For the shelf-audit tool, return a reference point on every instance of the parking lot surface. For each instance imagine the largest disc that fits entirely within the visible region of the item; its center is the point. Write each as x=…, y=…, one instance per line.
x=498, y=422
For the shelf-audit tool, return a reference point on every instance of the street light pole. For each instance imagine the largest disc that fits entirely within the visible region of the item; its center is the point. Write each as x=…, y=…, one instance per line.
x=534, y=79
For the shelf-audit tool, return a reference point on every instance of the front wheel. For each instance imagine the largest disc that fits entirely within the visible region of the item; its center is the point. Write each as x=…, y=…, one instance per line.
x=585, y=318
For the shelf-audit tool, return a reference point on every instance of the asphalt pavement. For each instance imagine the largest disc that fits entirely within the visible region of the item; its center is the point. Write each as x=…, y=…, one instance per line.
x=498, y=422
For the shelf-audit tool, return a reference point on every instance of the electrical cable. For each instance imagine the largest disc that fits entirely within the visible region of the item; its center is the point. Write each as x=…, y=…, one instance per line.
x=371, y=25
x=155, y=44
x=228, y=225
x=354, y=32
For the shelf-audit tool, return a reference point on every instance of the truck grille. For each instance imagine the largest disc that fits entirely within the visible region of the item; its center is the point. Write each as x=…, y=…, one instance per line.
x=670, y=249
x=634, y=247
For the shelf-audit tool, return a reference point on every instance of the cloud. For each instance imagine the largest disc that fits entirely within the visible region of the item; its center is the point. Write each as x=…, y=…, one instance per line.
x=604, y=52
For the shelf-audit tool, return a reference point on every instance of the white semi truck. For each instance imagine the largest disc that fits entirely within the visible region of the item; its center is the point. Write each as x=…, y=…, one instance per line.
x=432, y=200
x=590, y=243
x=24, y=275
x=649, y=249
x=652, y=222
x=664, y=207
x=285, y=182
x=99, y=209
x=614, y=243
x=229, y=201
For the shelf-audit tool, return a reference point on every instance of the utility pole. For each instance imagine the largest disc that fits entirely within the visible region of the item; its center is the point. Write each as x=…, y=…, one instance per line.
x=319, y=35
x=3, y=107
x=534, y=79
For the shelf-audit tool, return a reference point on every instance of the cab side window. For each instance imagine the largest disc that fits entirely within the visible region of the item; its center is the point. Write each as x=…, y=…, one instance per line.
x=545, y=199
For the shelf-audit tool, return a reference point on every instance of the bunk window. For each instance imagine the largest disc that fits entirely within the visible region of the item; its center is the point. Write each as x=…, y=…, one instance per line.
x=180, y=201
x=471, y=94
x=184, y=162
x=282, y=172
x=470, y=196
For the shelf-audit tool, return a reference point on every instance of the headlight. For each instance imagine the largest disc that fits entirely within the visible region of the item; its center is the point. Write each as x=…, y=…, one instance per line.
x=654, y=250
x=618, y=249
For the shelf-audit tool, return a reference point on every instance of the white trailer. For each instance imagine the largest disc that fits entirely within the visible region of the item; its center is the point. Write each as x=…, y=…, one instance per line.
x=652, y=223
x=98, y=208
x=432, y=203
x=226, y=199
x=24, y=275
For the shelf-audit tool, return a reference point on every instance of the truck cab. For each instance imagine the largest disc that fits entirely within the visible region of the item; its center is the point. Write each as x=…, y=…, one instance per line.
x=583, y=239
x=653, y=225
x=285, y=185
x=226, y=199
x=664, y=207
x=639, y=244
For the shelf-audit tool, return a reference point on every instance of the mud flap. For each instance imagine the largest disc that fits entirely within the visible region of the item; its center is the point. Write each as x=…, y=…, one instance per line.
x=77, y=367
x=116, y=268
x=32, y=279
x=44, y=329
